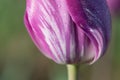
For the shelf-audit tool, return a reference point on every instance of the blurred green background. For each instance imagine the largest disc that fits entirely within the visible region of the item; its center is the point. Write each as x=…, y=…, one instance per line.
x=21, y=60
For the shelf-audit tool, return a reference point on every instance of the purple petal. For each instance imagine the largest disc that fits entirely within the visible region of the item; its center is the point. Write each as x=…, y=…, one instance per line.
x=93, y=17
x=52, y=29
x=114, y=6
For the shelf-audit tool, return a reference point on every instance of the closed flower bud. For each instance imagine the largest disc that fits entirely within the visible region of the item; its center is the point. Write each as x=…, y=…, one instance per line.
x=69, y=31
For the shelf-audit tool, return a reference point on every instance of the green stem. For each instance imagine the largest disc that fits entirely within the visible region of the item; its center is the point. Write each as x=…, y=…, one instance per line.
x=72, y=72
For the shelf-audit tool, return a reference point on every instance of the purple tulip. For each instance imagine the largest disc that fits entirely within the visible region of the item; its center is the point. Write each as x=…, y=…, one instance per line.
x=114, y=6
x=69, y=31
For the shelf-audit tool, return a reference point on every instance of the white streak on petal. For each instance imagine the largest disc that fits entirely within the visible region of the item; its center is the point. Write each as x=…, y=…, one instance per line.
x=49, y=18
x=49, y=40
x=82, y=52
x=99, y=39
x=31, y=8
x=72, y=45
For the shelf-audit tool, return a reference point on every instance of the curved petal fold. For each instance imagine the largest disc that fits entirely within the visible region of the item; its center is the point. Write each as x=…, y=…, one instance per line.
x=93, y=17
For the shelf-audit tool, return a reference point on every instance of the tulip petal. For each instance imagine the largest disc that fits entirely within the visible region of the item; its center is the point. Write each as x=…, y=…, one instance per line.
x=93, y=17
x=52, y=30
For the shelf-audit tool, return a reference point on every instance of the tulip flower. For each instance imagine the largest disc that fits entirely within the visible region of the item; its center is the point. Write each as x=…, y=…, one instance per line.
x=69, y=31
x=114, y=6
